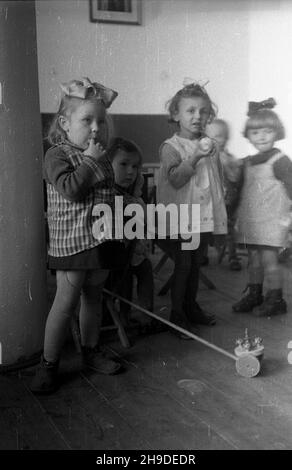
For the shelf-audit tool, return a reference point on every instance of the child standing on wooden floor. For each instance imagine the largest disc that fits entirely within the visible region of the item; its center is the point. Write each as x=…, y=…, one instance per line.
x=78, y=176
x=231, y=168
x=189, y=174
x=126, y=159
x=264, y=210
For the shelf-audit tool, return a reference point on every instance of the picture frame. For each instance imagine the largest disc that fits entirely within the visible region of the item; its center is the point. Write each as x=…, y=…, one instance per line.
x=116, y=11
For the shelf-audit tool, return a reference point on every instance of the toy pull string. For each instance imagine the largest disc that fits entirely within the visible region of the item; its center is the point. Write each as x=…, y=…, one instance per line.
x=172, y=325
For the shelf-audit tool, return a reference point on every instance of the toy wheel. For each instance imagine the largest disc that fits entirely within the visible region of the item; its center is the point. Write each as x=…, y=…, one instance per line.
x=248, y=366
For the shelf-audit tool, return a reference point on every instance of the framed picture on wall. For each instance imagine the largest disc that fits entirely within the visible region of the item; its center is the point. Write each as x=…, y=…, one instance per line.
x=116, y=11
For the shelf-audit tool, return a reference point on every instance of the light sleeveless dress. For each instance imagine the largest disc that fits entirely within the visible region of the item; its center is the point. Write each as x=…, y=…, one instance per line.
x=263, y=212
x=204, y=188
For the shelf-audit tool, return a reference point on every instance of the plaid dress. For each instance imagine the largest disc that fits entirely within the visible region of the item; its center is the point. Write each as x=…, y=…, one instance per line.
x=75, y=184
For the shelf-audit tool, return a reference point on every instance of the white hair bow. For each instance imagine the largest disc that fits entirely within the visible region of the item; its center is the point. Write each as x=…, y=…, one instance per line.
x=190, y=81
x=84, y=89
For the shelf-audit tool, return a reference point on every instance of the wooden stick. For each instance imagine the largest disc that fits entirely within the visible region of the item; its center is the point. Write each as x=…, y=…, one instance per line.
x=172, y=325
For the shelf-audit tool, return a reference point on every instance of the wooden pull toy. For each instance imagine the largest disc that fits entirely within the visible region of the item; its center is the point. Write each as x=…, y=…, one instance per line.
x=248, y=354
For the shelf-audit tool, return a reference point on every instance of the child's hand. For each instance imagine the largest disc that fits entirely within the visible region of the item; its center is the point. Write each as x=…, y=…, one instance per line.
x=205, y=148
x=94, y=150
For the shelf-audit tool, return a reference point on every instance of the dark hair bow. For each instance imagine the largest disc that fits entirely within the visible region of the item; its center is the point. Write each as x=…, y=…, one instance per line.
x=84, y=89
x=254, y=106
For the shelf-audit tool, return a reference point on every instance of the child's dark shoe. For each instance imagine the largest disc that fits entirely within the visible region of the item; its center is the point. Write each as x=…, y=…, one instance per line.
x=199, y=317
x=157, y=326
x=205, y=261
x=96, y=360
x=285, y=255
x=273, y=304
x=182, y=322
x=153, y=327
x=235, y=264
x=45, y=380
x=252, y=299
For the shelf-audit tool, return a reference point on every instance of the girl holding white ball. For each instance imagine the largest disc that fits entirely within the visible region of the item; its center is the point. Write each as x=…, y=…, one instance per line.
x=190, y=174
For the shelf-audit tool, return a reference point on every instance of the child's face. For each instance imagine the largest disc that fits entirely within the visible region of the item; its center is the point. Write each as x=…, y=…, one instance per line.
x=263, y=139
x=125, y=166
x=217, y=132
x=192, y=116
x=87, y=120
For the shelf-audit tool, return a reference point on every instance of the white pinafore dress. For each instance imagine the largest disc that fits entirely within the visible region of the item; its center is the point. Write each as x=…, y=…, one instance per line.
x=263, y=213
x=204, y=188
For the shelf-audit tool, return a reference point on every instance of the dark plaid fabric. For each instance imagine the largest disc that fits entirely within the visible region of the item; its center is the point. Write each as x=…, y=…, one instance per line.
x=75, y=184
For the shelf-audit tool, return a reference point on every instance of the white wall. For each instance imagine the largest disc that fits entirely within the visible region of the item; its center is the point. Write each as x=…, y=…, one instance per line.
x=242, y=47
x=270, y=59
x=147, y=64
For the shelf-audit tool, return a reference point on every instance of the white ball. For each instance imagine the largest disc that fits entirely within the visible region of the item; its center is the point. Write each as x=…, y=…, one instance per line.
x=206, y=144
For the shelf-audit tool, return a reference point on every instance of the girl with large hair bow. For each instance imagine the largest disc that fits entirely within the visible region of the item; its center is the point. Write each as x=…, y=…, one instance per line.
x=78, y=174
x=264, y=210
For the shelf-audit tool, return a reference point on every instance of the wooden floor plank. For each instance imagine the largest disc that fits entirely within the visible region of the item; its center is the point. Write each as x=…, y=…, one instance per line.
x=276, y=370
x=151, y=410
x=84, y=416
x=276, y=331
x=25, y=425
x=228, y=403
x=174, y=394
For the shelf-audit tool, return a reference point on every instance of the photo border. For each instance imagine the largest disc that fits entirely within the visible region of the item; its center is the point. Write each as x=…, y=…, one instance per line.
x=102, y=16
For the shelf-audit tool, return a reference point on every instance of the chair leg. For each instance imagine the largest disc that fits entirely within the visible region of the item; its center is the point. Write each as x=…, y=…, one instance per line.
x=221, y=254
x=117, y=321
x=160, y=263
x=206, y=281
x=75, y=331
x=165, y=288
x=74, y=325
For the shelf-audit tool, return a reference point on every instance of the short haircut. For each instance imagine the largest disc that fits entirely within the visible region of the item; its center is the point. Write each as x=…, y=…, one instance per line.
x=265, y=118
x=224, y=125
x=128, y=146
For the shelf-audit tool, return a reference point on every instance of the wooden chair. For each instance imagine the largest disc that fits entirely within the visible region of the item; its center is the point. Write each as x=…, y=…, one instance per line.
x=117, y=325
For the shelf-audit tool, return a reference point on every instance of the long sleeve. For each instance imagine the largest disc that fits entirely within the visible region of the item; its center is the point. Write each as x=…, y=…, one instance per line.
x=283, y=172
x=73, y=183
x=178, y=172
x=233, y=191
x=128, y=198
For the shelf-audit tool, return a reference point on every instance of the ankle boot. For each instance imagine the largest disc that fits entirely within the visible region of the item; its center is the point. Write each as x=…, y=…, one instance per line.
x=45, y=380
x=96, y=359
x=273, y=304
x=235, y=264
x=181, y=321
x=197, y=316
x=252, y=299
